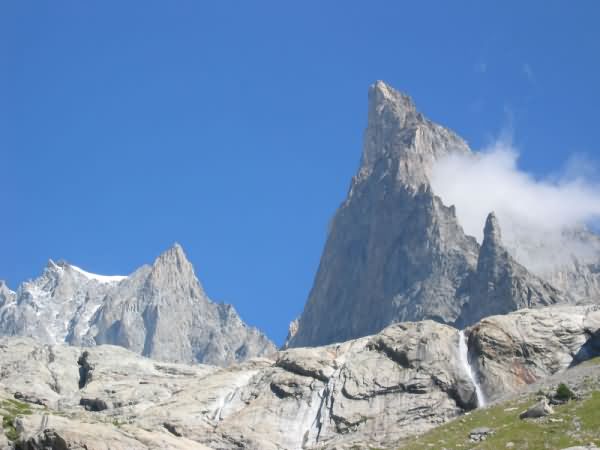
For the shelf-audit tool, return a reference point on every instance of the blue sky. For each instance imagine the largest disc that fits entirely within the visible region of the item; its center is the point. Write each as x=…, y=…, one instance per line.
x=234, y=127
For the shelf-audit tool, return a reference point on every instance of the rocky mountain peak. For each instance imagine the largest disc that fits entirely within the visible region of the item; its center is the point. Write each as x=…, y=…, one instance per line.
x=6, y=293
x=394, y=251
x=174, y=256
x=400, y=144
x=500, y=284
x=389, y=105
x=174, y=266
x=491, y=233
x=55, y=268
x=159, y=310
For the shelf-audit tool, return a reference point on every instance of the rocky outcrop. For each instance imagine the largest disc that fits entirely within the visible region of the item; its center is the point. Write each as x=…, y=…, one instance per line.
x=407, y=375
x=159, y=311
x=51, y=431
x=520, y=348
x=6, y=295
x=369, y=392
x=394, y=252
x=500, y=284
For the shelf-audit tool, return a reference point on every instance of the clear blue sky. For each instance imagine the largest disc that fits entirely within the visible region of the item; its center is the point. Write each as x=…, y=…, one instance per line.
x=234, y=127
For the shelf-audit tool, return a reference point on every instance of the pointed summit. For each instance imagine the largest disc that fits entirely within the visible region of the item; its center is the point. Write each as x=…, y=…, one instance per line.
x=56, y=266
x=491, y=231
x=174, y=256
x=6, y=294
x=159, y=310
x=400, y=144
x=394, y=252
x=500, y=284
x=173, y=266
x=385, y=100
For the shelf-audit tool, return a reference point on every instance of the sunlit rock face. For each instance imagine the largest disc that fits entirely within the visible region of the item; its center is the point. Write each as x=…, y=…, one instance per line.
x=395, y=252
x=160, y=311
x=370, y=392
x=500, y=284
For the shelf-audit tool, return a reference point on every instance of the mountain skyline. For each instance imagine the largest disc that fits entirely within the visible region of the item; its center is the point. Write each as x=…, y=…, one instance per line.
x=438, y=272
x=160, y=311
x=235, y=129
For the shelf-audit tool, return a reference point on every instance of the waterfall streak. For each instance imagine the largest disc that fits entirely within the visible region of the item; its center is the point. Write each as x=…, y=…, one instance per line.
x=463, y=352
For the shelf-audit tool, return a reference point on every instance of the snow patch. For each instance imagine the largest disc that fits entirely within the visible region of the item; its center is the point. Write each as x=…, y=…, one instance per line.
x=99, y=278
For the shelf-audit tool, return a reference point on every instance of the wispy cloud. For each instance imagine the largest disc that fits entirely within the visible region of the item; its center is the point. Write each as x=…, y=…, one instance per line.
x=528, y=72
x=538, y=216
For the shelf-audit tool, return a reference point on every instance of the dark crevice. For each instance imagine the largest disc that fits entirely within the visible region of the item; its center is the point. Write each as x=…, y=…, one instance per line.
x=295, y=368
x=93, y=404
x=172, y=429
x=589, y=350
x=85, y=370
x=282, y=393
x=399, y=357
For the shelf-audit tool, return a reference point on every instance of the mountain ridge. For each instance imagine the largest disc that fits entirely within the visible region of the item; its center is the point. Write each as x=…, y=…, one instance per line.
x=159, y=310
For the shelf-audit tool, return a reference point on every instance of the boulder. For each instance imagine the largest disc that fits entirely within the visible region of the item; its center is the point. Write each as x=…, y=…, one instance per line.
x=480, y=434
x=540, y=409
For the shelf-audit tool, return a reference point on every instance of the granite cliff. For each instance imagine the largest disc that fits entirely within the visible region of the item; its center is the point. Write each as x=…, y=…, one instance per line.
x=160, y=311
x=396, y=252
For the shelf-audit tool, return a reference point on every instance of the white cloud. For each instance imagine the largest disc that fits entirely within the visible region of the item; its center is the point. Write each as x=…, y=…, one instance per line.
x=537, y=216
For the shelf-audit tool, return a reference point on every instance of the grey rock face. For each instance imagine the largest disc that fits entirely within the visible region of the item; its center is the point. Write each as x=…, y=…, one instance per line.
x=6, y=295
x=500, y=284
x=55, y=307
x=376, y=389
x=394, y=251
x=579, y=276
x=159, y=311
x=369, y=392
x=517, y=349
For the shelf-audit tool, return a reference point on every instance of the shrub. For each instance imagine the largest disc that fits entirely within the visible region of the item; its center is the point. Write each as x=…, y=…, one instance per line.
x=563, y=392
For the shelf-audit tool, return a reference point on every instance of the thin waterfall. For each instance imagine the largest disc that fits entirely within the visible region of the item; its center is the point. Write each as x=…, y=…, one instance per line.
x=463, y=353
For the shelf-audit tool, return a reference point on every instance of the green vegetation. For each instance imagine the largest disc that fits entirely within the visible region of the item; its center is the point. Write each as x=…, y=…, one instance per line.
x=117, y=423
x=564, y=393
x=591, y=362
x=11, y=409
x=574, y=423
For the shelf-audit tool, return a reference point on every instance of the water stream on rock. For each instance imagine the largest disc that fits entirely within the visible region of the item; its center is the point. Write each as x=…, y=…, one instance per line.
x=463, y=352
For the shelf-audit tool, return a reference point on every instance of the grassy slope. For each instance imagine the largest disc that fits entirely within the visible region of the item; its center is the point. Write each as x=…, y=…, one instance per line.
x=9, y=410
x=557, y=431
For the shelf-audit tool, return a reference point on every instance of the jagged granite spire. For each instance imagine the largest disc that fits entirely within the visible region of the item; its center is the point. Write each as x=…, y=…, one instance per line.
x=394, y=251
x=6, y=295
x=160, y=311
x=400, y=142
x=492, y=235
x=502, y=285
